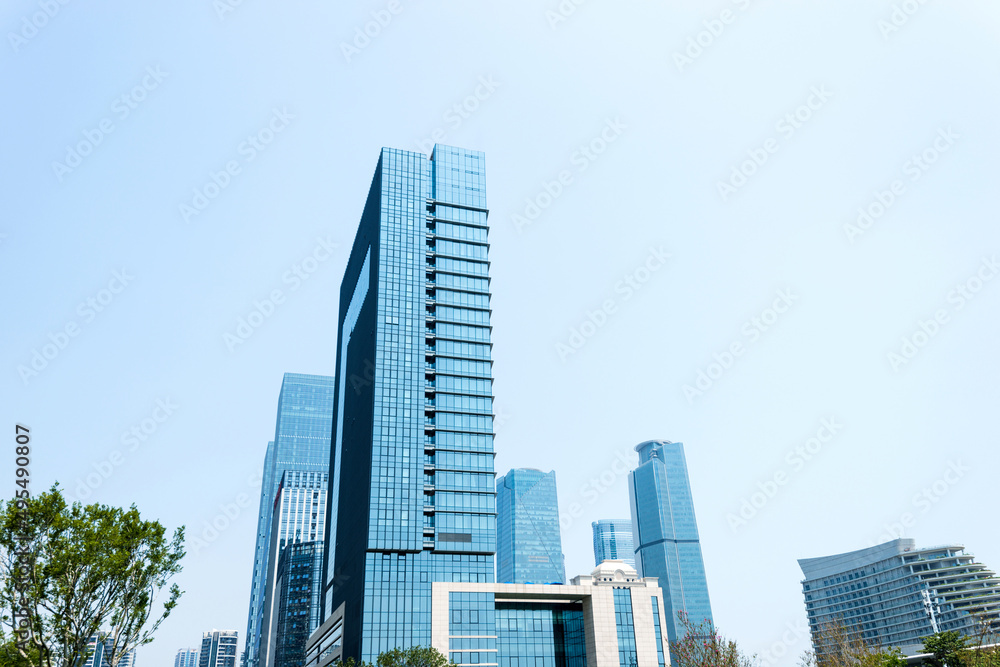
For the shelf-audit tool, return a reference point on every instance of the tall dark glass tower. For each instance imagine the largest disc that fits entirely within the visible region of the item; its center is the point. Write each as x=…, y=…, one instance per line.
x=412, y=485
x=301, y=443
x=529, y=548
x=666, y=533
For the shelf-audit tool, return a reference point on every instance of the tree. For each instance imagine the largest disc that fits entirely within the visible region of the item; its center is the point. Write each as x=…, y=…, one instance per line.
x=946, y=649
x=837, y=645
x=702, y=645
x=71, y=571
x=415, y=656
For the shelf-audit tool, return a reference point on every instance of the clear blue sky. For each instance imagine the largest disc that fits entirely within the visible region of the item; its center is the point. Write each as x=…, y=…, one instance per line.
x=823, y=109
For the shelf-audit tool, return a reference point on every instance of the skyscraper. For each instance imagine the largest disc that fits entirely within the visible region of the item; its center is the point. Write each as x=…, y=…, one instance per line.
x=411, y=486
x=298, y=516
x=218, y=649
x=297, y=588
x=302, y=443
x=665, y=531
x=98, y=646
x=613, y=541
x=186, y=657
x=895, y=594
x=529, y=547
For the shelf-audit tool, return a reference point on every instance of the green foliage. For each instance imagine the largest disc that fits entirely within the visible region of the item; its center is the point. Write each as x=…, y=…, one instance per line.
x=946, y=648
x=701, y=645
x=83, y=569
x=840, y=646
x=415, y=656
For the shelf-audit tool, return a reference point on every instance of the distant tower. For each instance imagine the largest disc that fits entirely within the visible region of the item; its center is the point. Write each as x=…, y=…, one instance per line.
x=613, y=541
x=529, y=548
x=186, y=657
x=218, y=649
x=665, y=531
x=97, y=646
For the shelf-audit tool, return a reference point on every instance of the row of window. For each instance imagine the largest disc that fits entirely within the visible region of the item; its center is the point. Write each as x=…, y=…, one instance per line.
x=462, y=282
x=461, y=232
x=467, y=299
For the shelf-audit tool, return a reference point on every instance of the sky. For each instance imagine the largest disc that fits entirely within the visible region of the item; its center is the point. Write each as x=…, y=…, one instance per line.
x=764, y=229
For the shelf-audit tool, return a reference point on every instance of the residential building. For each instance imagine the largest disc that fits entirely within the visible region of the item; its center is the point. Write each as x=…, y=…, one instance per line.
x=297, y=518
x=186, y=657
x=218, y=649
x=301, y=443
x=665, y=532
x=412, y=495
x=529, y=547
x=613, y=541
x=895, y=594
x=97, y=649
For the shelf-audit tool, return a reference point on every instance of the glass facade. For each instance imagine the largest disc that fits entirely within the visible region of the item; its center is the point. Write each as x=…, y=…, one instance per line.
x=894, y=594
x=660, y=652
x=541, y=635
x=613, y=541
x=529, y=548
x=298, y=585
x=666, y=533
x=96, y=653
x=625, y=627
x=301, y=443
x=412, y=487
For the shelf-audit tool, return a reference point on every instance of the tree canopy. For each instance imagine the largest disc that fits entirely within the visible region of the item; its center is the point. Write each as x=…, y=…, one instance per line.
x=70, y=572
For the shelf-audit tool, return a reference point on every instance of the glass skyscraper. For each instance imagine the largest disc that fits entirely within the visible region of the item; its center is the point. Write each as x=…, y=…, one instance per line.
x=186, y=657
x=529, y=548
x=895, y=594
x=297, y=587
x=412, y=483
x=301, y=443
x=613, y=541
x=665, y=532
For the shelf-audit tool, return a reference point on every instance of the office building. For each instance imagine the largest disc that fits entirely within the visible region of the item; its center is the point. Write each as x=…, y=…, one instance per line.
x=613, y=541
x=412, y=496
x=894, y=594
x=301, y=443
x=298, y=583
x=298, y=516
x=186, y=657
x=218, y=649
x=611, y=618
x=529, y=548
x=98, y=649
x=665, y=532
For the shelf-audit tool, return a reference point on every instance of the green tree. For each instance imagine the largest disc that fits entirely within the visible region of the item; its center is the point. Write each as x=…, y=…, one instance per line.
x=415, y=656
x=73, y=571
x=946, y=649
x=702, y=645
x=840, y=646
